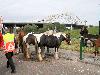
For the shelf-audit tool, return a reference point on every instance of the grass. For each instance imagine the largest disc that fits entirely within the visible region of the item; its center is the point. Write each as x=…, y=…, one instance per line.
x=75, y=46
x=94, y=30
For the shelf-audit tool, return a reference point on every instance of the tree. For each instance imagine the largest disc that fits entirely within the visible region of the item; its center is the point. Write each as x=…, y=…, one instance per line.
x=30, y=28
x=60, y=27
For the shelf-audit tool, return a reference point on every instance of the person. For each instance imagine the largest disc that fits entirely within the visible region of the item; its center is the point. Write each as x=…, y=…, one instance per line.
x=10, y=63
x=84, y=31
x=1, y=40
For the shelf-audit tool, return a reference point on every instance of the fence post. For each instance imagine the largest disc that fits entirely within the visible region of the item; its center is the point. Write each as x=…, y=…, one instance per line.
x=81, y=45
x=99, y=27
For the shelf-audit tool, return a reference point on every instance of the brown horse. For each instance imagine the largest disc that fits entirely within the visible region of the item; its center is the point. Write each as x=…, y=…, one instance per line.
x=97, y=45
x=27, y=40
x=21, y=34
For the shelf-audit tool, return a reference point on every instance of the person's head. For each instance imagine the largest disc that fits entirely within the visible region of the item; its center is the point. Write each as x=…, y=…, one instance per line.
x=7, y=31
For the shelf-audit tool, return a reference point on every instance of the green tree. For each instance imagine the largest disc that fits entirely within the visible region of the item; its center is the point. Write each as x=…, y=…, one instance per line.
x=30, y=28
x=59, y=27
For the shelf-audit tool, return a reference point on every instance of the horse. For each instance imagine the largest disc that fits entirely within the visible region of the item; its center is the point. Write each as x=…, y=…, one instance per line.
x=27, y=40
x=97, y=45
x=89, y=40
x=51, y=41
x=21, y=34
x=16, y=41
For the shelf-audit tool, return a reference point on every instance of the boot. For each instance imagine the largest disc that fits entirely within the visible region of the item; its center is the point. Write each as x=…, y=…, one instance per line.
x=13, y=71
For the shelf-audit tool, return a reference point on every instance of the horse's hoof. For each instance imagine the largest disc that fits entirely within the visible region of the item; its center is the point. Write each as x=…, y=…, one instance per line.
x=40, y=57
x=26, y=59
x=56, y=56
x=97, y=52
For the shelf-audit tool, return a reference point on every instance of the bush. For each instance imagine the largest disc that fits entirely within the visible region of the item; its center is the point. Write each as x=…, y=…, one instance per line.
x=30, y=28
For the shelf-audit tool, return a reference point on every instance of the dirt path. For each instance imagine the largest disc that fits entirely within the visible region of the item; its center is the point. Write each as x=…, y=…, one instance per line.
x=68, y=64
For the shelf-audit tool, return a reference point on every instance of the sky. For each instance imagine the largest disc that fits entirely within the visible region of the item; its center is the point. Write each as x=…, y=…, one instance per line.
x=30, y=10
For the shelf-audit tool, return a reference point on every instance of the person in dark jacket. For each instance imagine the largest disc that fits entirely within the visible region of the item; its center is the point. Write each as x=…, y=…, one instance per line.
x=84, y=31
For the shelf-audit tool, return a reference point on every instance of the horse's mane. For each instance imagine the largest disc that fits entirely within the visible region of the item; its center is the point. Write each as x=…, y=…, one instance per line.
x=59, y=33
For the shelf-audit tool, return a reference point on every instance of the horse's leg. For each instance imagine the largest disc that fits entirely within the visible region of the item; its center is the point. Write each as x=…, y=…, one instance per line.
x=56, y=53
x=39, y=56
x=21, y=45
x=68, y=41
x=47, y=49
x=24, y=51
x=85, y=42
x=96, y=50
x=28, y=55
x=36, y=48
x=18, y=47
x=22, y=48
x=42, y=51
x=38, y=51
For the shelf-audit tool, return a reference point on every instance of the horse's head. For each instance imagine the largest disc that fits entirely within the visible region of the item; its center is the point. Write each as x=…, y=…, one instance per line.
x=65, y=37
x=21, y=34
x=68, y=38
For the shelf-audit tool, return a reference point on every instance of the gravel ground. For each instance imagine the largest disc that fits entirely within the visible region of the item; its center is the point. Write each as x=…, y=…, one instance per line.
x=68, y=64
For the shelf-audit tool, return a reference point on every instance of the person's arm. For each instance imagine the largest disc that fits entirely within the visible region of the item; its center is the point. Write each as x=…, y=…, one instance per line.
x=0, y=49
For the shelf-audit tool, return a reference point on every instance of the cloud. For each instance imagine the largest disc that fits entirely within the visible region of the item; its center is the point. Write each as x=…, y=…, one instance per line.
x=24, y=10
